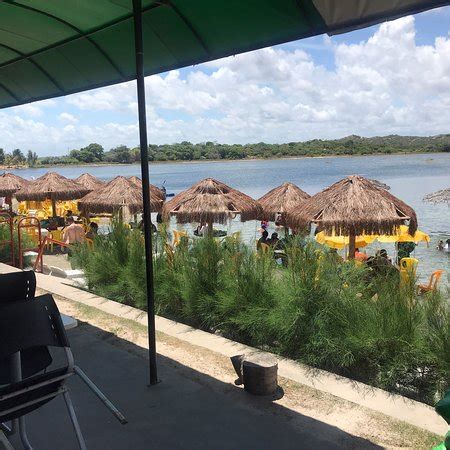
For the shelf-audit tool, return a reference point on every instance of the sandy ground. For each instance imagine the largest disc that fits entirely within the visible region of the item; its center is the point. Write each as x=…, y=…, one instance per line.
x=352, y=418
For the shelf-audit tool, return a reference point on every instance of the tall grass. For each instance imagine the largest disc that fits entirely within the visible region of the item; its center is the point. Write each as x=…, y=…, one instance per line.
x=315, y=308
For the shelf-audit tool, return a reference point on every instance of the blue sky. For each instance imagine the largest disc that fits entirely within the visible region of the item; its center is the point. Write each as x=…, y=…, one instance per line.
x=391, y=78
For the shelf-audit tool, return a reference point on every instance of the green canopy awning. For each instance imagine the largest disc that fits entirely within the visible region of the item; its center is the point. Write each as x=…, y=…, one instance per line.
x=50, y=48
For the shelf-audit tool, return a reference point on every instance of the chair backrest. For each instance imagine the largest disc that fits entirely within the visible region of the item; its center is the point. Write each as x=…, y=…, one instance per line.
x=170, y=254
x=41, y=214
x=409, y=264
x=265, y=247
x=89, y=242
x=20, y=287
x=236, y=235
x=25, y=325
x=177, y=235
x=434, y=279
x=57, y=235
x=17, y=286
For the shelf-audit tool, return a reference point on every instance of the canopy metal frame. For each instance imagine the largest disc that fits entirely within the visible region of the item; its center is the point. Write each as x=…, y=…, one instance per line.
x=140, y=85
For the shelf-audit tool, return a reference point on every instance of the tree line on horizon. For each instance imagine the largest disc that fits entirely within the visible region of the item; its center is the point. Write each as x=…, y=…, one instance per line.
x=187, y=151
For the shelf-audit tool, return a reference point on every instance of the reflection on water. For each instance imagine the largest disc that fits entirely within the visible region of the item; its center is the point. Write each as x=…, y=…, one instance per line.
x=411, y=177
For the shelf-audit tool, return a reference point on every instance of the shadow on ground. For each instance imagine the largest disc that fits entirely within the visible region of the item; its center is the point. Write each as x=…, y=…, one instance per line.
x=187, y=410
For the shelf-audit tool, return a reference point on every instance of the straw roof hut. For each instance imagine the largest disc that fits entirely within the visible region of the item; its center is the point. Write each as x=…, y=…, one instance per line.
x=10, y=184
x=281, y=199
x=154, y=191
x=52, y=186
x=119, y=194
x=353, y=206
x=157, y=196
x=442, y=196
x=210, y=201
x=89, y=181
x=136, y=180
x=380, y=184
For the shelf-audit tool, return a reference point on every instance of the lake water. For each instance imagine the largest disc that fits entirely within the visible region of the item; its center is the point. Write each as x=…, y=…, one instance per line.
x=410, y=177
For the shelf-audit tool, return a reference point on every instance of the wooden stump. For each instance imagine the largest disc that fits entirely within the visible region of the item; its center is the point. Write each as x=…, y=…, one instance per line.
x=258, y=372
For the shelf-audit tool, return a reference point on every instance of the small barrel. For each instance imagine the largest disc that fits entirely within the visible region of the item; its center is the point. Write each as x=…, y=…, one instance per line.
x=260, y=374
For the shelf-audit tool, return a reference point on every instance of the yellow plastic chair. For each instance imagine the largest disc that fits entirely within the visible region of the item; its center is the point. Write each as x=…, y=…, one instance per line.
x=177, y=235
x=57, y=235
x=22, y=208
x=170, y=254
x=41, y=214
x=236, y=235
x=408, y=269
x=432, y=283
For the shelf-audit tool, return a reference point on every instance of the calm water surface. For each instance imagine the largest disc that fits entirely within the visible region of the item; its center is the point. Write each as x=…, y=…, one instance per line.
x=409, y=176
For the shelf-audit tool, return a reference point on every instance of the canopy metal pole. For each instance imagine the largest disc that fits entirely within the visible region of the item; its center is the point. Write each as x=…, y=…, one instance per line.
x=138, y=42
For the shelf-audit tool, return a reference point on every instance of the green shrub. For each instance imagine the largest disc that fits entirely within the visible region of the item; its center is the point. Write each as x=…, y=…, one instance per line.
x=314, y=308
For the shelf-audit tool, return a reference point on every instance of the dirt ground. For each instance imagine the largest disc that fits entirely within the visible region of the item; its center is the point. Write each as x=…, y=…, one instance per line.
x=297, y=398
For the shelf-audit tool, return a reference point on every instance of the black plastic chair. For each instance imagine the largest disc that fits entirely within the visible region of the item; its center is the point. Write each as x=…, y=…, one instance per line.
x=23, y=326
x=20, y=286
x=17, y=286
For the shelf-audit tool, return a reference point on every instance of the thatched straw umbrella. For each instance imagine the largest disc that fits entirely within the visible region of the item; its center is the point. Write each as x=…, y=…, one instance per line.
x=136, y=180
x=119, y=194
x=10, y=184
x=155, y=192
x=54, y=187
x=380, y=184
x=89, y=181
x=351, y=207
x=210, y=201
x=442, y=196
x=281, y=199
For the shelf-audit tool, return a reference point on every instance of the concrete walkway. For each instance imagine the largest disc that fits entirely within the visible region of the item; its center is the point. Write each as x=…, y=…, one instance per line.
x=188, y=410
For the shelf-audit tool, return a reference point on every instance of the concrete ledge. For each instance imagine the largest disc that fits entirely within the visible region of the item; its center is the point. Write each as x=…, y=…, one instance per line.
x=392, y=405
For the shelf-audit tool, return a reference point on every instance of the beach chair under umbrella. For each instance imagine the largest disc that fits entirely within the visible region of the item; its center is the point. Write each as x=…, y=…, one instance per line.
x=118, y=196
x=54, y=187
x=277, y=201
x=10, y=184
x=351, y=207
x=210, y=201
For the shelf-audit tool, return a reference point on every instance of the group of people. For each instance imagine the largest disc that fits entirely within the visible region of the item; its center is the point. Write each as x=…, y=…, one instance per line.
x=273, y=241
x=444, y=247
x=73, y=231
x=379, y=263
x=202, y=230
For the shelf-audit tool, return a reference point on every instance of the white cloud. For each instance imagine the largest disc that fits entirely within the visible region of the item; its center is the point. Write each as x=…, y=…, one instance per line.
x=67, y=117
x=111, y=98
x=386, y=84
x=30, y=110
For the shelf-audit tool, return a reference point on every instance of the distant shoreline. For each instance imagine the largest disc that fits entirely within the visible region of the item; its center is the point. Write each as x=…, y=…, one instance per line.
x=196, y=161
